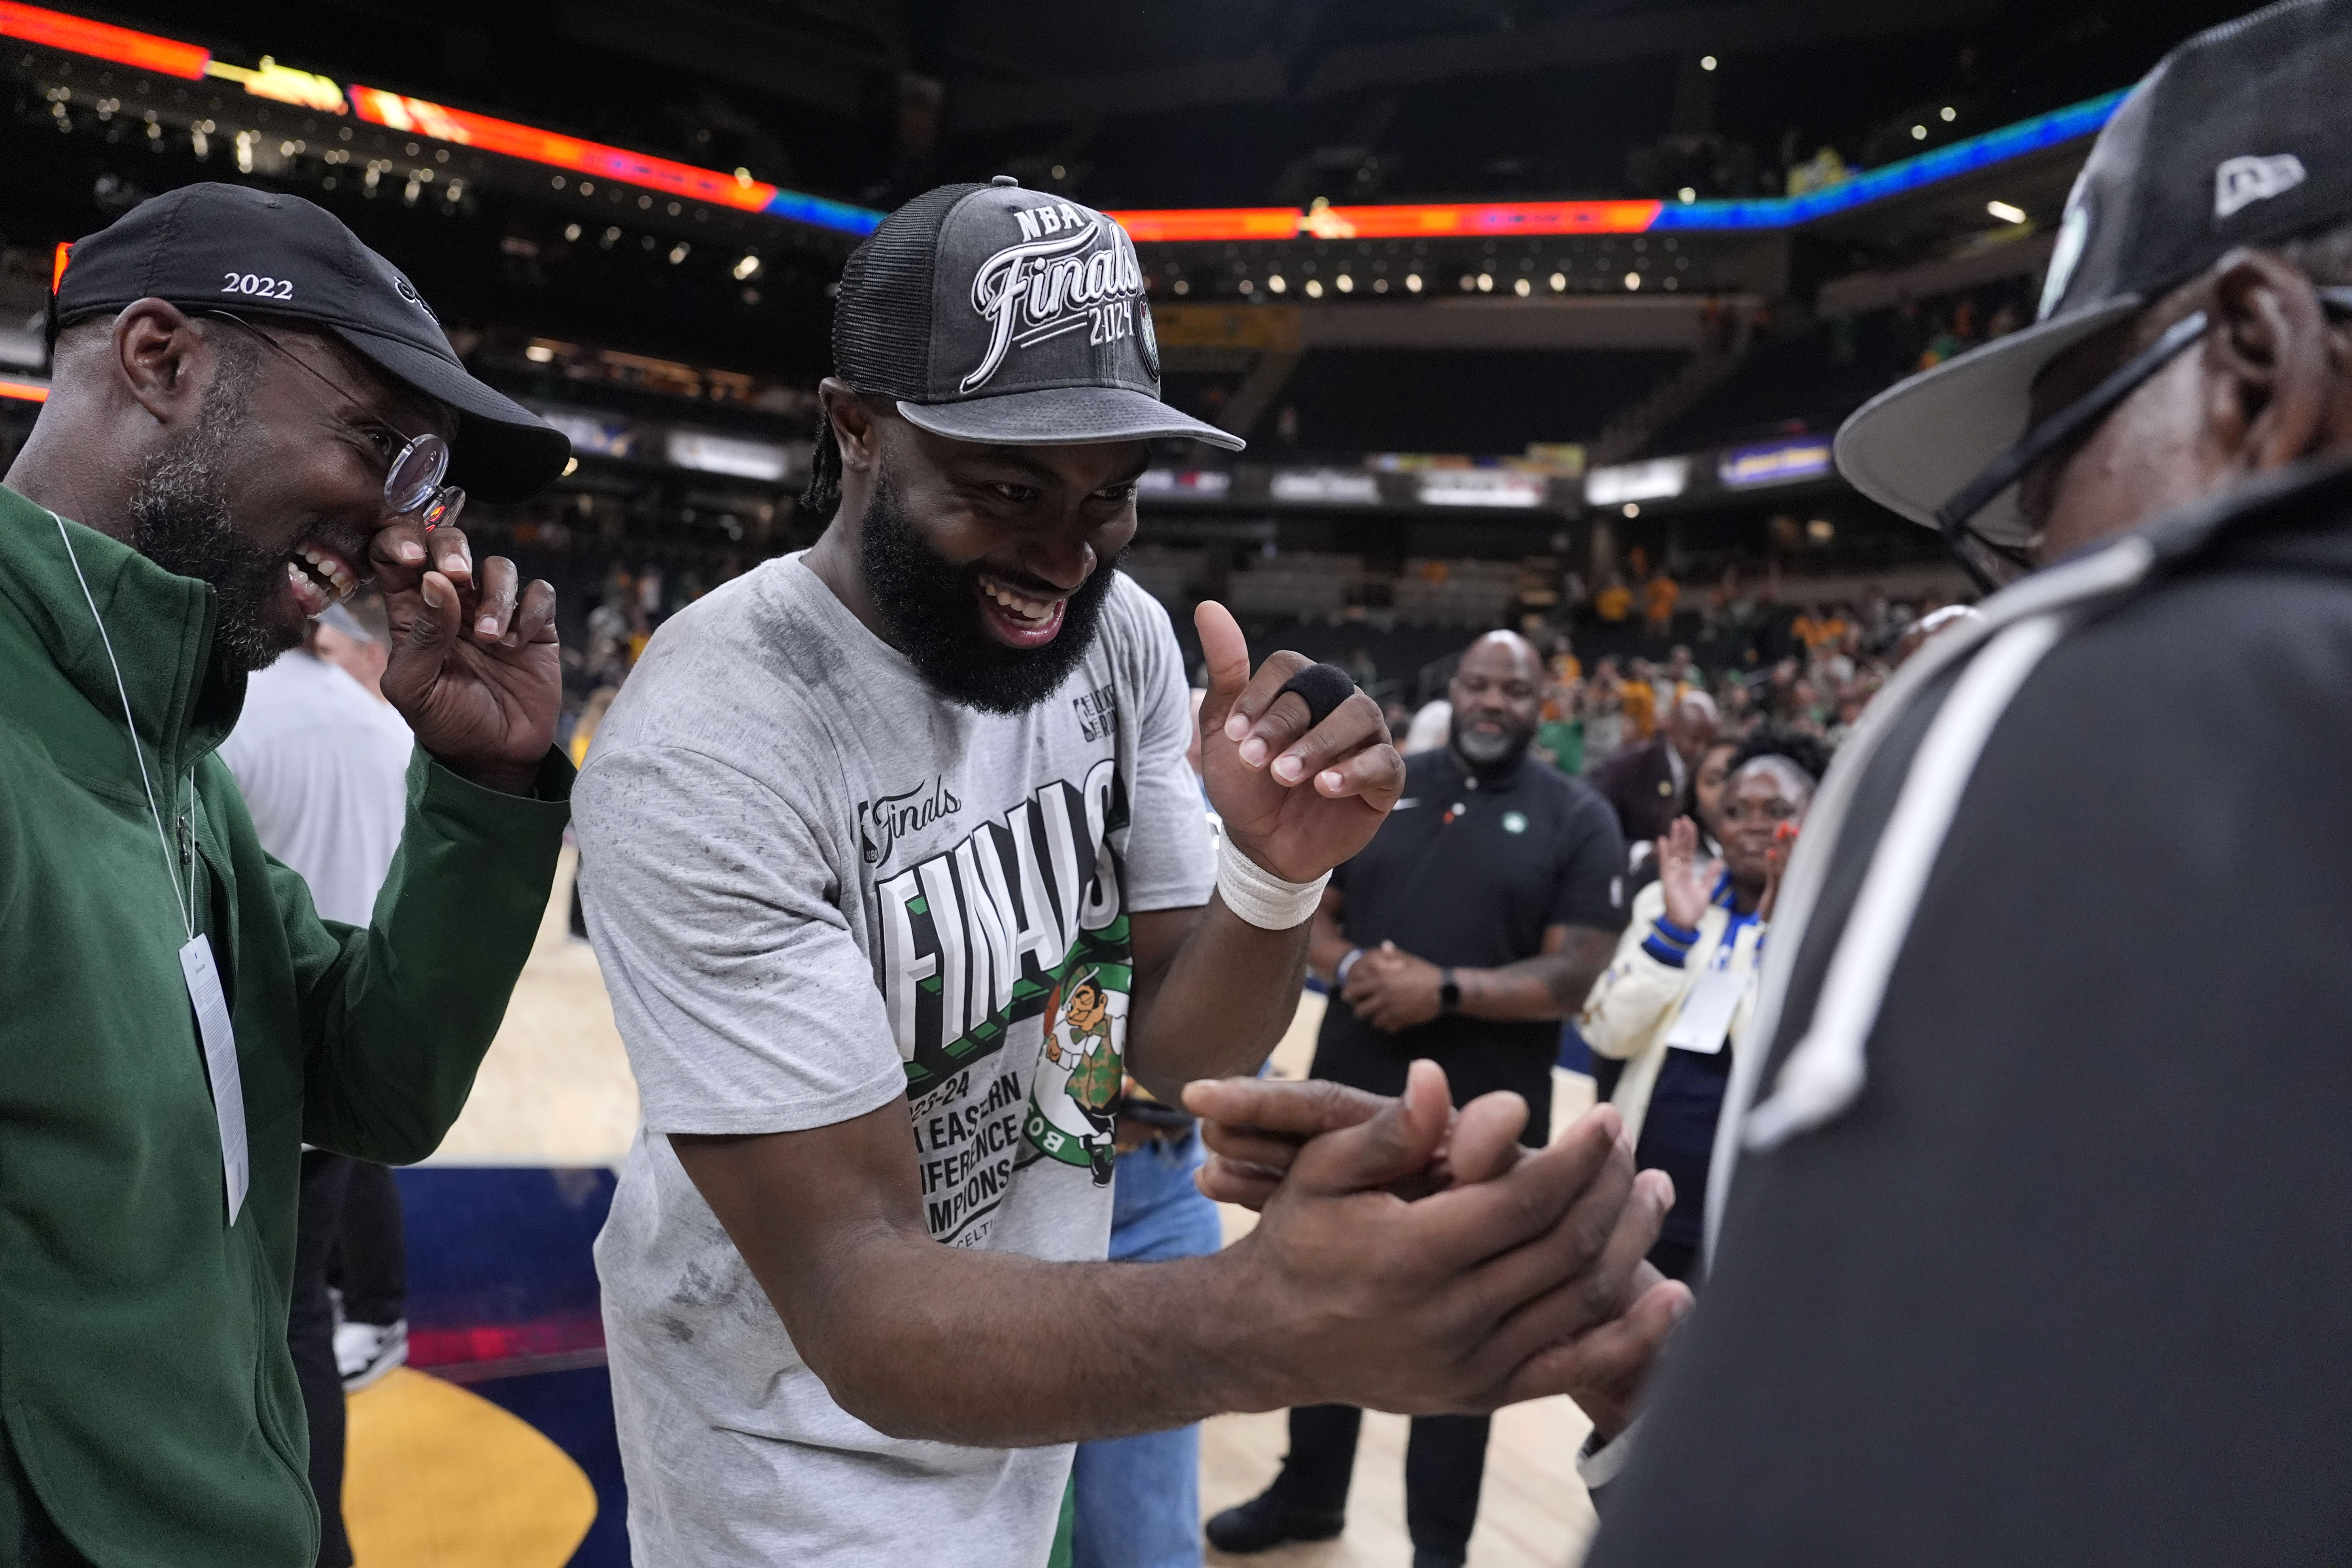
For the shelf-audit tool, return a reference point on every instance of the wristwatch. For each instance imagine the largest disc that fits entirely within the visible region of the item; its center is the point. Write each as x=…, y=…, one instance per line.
x=1449, y=993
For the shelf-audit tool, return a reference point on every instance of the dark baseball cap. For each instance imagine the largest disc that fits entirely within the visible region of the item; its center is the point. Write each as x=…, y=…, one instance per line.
x=2236, y=138
x=260, y=252
x=996, y=314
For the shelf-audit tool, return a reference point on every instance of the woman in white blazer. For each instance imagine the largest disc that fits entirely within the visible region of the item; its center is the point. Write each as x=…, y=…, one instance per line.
x=1674, y=1003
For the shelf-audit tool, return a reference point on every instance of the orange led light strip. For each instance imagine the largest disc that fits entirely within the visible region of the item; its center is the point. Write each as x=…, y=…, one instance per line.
x=1399, y=222
x=1209, y=223
x=421, y=118
x=25, y=390
x=168, y=57
x=75, y=34
x=1481, y=220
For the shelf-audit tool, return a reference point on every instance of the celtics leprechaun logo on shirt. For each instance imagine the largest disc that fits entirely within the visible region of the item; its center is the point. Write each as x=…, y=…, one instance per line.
x=1006, y=966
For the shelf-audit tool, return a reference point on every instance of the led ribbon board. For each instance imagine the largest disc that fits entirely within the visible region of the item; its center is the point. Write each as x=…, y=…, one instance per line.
x=418, y=117
x=421, y=118
x=168, y=57
x=76, y=36
x=1506, y=218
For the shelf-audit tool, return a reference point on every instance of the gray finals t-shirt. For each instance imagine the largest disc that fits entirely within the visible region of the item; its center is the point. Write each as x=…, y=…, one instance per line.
x=814, y=884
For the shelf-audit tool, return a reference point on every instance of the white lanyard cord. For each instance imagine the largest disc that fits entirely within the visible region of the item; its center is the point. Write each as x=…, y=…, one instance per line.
x=162, y=840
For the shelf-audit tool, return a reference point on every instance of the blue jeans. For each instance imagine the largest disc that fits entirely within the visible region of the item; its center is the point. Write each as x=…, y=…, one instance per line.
x=1139, y=1498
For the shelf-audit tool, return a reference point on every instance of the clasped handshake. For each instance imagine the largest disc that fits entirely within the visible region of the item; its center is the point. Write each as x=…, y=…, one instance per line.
x=1441, y=1265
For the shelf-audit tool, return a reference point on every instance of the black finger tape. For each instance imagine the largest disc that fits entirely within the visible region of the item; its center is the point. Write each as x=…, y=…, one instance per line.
x=1322, y=687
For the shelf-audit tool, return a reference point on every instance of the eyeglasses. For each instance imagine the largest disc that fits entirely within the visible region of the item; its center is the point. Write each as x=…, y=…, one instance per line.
x=412, y=482
x=1774, y=810
x=1995, y=565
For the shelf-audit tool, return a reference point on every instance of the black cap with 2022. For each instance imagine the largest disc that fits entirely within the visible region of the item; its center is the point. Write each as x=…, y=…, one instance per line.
x=260, y=252
x=996, y=314
x=2235, y=138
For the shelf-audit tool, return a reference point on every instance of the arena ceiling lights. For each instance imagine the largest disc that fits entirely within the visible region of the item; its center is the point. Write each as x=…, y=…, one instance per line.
x=739, y=192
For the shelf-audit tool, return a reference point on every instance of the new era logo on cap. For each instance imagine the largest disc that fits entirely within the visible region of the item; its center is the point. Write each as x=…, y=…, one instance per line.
x=2238, y=182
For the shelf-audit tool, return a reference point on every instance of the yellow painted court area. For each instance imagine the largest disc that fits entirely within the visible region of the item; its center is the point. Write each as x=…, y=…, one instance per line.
x=436, y=1476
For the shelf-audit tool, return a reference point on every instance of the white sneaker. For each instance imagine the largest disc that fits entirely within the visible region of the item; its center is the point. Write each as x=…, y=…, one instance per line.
x=365, y=1352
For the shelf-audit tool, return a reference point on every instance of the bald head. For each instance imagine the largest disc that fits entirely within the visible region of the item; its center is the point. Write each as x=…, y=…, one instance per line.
x=1507, y=645
x=1497, y=696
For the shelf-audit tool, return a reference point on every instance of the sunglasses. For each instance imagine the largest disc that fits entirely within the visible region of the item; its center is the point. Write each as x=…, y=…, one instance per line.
x=412, y=481
x=1994, y=565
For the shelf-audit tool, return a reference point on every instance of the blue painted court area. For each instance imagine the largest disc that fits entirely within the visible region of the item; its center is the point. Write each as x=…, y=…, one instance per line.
x=503, y=1301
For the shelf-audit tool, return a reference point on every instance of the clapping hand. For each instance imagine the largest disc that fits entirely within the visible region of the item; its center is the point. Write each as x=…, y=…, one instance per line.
x=1679, y=877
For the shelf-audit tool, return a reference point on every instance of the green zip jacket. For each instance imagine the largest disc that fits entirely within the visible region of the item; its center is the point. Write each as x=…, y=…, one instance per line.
x=146, y=1394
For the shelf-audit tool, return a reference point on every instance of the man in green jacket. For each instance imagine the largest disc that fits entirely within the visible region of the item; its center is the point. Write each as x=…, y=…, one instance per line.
x=249, y=411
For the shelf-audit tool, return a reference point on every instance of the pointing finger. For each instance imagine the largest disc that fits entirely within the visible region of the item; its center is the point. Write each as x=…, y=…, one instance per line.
x=1226, y=653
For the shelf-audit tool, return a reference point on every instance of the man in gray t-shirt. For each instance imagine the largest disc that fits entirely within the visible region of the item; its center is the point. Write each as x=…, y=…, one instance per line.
x=895, y=865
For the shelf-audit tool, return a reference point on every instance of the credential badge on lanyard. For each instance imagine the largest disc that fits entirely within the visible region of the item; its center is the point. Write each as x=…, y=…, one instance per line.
x=196, y=966
x=1705, y=1020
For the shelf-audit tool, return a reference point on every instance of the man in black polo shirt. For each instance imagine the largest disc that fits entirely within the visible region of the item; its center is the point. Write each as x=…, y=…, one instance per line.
x=1475, y=921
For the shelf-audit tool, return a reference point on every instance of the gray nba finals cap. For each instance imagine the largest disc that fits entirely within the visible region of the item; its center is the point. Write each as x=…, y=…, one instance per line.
x=2237, y=137
x=995, y=314
x=266, y=255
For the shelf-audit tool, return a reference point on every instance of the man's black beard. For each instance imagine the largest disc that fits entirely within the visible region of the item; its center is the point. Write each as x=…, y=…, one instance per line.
x=931, y=609
x=180, y=520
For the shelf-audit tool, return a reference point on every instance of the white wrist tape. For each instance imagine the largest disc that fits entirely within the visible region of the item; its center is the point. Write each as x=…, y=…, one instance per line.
x=1260, y=897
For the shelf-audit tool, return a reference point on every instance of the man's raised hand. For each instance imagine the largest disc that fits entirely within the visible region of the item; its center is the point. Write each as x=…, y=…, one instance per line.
x=474, y=666
x=1298, y=800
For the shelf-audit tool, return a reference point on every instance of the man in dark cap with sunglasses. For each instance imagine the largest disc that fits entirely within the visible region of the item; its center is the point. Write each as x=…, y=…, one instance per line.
x=2036, y=1250
x=2028, y=1224
x=249, y=413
